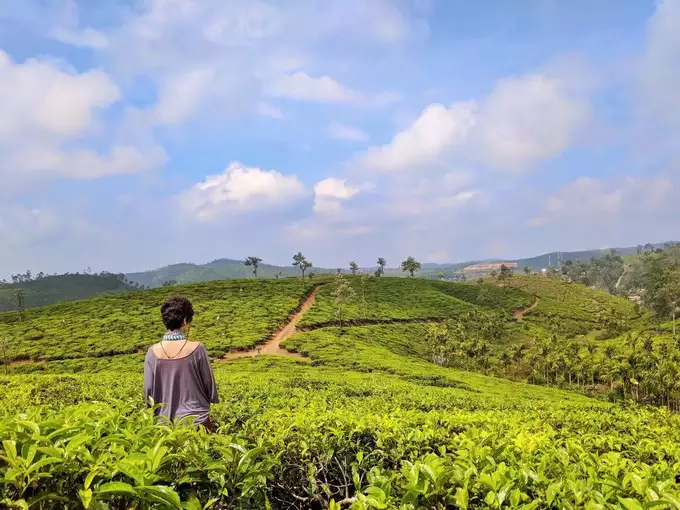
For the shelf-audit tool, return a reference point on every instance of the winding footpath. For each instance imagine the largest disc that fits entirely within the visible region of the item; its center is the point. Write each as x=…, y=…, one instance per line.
x=519, y=314
x=273, y=345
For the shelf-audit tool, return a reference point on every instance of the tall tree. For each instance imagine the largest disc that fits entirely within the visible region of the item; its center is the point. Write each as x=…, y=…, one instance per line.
x=300, y=261
x=506, y=272
x=410, y=265
x=670, y=293
x=21, y=305
x=353, y=267
x=381, y=266
x=253, y=262
x=343, y=293
x=527, y=270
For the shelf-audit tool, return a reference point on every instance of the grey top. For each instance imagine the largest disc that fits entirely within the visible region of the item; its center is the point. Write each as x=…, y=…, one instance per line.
x=185, y=386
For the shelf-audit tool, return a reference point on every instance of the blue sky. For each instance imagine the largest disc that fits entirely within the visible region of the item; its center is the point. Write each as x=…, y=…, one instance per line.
x=135, y=134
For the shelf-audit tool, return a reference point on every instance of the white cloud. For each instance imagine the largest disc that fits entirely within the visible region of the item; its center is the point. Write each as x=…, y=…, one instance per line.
x=526, y=120
x=589, y=203
x=48, y=113
x=434, y=135
x=82, y=38
x=331, y=192
x=39, y=97
x=255, y=48
x=659, y=71
x=181, y=95
x=271, y=111
x=523, y=121
x=239, y=188
x=65, y=15
x=84, y=163
x=344, y=132
x=302, y=86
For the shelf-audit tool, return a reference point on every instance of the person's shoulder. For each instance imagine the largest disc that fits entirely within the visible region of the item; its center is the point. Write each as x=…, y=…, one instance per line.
x=150, y=352
x=193, y=346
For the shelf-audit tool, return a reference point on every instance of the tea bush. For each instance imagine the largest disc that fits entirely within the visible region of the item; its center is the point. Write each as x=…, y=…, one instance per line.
x=232, y=314
x=295, y=436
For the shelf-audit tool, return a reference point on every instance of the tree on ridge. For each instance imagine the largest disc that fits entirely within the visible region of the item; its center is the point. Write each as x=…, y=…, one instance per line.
x=300, y=261
x=410, y=265
x=381, y=266
x=253, y=262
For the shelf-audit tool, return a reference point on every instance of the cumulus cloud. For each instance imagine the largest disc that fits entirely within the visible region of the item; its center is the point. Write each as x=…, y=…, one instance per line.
x=254, y=49
x=39, y=97
x=340, y=131
x=331, y=192
x=46, y=111
x=526, y=120
x=434, y=135
x=522, y=122
x=239, y=188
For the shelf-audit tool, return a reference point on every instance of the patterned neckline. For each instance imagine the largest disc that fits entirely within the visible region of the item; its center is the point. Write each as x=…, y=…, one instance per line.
x=174, y=335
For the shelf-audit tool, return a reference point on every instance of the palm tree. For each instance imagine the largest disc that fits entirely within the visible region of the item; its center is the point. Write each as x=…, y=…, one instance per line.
x=410, y=265
x=381, y=266
x=253, y=262
x=353, y=267
x=299, y=260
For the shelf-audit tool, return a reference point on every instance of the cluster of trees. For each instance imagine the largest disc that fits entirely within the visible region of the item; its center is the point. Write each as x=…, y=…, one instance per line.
x=643, y=368
x=28, y=277
x=465, y=342
x=409, y=265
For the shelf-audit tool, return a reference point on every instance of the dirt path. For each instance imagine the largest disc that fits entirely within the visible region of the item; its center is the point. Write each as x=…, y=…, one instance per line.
x=519, y=314
x=273, y=345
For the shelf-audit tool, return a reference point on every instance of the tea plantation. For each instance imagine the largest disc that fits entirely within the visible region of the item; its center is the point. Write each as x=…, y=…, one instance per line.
x=363, y=420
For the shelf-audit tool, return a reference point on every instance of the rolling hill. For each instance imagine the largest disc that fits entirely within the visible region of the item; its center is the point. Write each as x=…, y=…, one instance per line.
x=364, y=416
x=56, y=288
x=219, y=269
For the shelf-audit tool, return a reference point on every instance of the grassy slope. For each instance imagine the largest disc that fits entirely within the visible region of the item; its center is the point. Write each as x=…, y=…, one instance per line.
x=229, y=315
x=398, y=298
x=55, y=289
x=373, y=393
x=571, y=300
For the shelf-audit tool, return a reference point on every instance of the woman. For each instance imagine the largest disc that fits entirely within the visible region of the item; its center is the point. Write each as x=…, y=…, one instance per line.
x=177, y=372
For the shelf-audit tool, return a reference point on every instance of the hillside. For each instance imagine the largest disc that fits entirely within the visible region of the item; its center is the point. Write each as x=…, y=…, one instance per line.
x=548, y=259
x=67, y=287
x=373, y=414
x=220, y=269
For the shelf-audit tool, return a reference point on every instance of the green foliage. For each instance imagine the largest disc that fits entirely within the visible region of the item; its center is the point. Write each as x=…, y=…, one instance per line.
x=571, y=301
x=253, y=262
x=386, y=299
x=233, y=314
x=47, y=290
x=410, y=266
x=290, y=434
x=301, y=262
x=368, y=421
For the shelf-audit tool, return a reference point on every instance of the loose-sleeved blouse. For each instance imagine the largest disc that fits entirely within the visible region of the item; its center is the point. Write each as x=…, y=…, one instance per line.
x=185, y=386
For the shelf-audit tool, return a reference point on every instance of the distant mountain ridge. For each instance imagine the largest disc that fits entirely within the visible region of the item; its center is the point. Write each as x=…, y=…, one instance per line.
x=219, y=269
x=226, y=268
x=49, y=289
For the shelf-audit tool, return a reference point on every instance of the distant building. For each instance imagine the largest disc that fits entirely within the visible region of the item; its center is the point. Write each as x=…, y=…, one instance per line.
x=487, y=267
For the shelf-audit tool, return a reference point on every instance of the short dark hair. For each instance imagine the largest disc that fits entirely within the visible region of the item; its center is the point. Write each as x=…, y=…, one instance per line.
x=175, y=311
